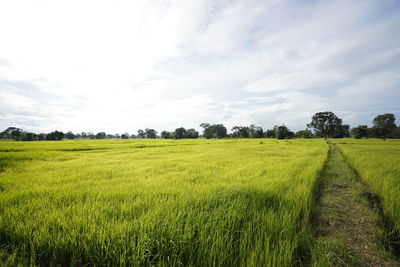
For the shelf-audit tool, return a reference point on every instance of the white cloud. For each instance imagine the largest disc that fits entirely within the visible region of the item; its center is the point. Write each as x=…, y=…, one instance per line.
x=124, y=65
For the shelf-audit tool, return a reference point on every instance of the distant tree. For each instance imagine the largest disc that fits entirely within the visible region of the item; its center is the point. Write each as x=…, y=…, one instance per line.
x=55, y=136
x=214, y=130
x=110, y=136
x=235, y=132
x=124, y=136
x=84, y=135
x=371, y=132
x=70, y=135
x=100, y=135
x=270, y=133
x=346, y=130
x=22, y=136
x=30, y=137
x=180, y=133
x=255, y=131
x=220, y=131
x=396, y=133
x=207, y=131
x=165, y=135
x=118, y=136
x=241, y=132
x=133, y=136
x=42, y=136
x=359, y=131
x=282, y=132
x=341, y=131
x=304, y=134
x=290, y=135
x=384, y=125
x=325, y=123
x=12, y=133
x=141, y=134
x=192, y=133
x=16, y=134
x=90, y=135
x=150, y=133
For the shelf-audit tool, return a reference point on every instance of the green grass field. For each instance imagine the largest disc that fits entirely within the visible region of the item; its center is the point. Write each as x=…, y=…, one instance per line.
x=233, y=202
x=158, y=202
x=378, y=163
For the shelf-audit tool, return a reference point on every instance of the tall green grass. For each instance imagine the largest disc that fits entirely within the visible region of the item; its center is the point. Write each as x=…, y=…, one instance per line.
x=158, y=202
x=378, y=163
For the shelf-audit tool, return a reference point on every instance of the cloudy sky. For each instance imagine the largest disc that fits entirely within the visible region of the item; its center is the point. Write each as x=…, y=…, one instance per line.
x=118, y=66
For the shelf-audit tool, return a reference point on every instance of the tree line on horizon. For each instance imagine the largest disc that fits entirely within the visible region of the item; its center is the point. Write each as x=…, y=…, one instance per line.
x=324, y=124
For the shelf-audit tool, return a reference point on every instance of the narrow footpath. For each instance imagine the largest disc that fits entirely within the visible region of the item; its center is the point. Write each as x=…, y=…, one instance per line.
x=349, y=230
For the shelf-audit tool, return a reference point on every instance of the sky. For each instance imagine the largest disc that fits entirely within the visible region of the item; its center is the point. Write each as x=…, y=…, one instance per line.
x=120, y=66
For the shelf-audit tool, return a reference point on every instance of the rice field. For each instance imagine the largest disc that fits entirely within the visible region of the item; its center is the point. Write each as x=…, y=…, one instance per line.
x=378, y=164
x=159, y=202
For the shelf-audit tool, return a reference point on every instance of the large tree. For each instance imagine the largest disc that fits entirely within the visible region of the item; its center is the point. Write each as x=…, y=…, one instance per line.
x=384, y=125
x=325, y=123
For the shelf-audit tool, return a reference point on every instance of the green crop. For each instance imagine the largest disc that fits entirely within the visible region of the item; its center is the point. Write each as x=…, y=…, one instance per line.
x=378, y=164
x=158, y=202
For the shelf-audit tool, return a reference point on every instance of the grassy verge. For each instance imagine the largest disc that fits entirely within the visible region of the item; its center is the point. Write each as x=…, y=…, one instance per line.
x=349, y=231
x=378, y=163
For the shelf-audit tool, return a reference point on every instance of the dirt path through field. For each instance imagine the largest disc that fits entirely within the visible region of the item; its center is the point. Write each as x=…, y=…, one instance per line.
x=349, y=231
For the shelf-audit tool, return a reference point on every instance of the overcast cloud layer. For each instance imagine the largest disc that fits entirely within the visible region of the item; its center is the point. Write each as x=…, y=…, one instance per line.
x=118, y=66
